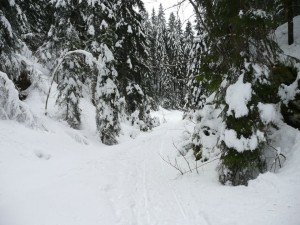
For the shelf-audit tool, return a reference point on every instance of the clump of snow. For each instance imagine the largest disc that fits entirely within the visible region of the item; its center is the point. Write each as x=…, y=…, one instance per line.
x=237, y=97
x=268, y=112
x=103, y=24
x=91, y=30
x=129, y=29
x=288, y=92
x=241, y=144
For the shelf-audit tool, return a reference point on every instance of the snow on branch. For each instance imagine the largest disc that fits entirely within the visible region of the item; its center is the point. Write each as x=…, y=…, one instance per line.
x=89, y=59
x=11, y=108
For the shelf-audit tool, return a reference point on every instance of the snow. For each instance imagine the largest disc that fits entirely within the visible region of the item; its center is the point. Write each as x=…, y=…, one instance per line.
x=241, y=144
x=129, y=29
x=288, y=92
x=63, y=176
x=91, y=30
x=237, y=97
x=267, y=112
x=6, y=24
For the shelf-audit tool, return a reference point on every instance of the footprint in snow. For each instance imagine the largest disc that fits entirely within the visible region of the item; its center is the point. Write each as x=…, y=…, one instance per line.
x=41, y=155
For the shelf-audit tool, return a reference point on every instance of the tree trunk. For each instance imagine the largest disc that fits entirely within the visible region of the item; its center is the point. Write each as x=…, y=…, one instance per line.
x=289, y=17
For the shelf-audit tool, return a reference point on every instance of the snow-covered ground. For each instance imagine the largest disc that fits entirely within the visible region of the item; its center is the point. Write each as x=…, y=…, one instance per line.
x=54, y=175
x=60, y=176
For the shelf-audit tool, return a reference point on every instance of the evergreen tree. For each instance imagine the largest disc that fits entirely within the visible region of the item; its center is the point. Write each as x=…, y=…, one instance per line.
x=69, y=89
x=13, y=23
x=130, y=54
x=161, y=53
x=174, y=80
x=195, y=97
x=187, y=46
x=107, y=99
x=104, y=81
x=65, y=35
x=239, y=57
x=154, y=73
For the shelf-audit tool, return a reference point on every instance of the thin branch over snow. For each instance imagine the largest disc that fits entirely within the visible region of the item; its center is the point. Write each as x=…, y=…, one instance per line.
x=89, y=60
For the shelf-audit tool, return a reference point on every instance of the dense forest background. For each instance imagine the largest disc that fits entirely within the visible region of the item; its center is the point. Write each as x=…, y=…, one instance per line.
x=224, y=70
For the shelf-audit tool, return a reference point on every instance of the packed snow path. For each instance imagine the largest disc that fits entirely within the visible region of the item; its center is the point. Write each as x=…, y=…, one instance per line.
x=59, y=177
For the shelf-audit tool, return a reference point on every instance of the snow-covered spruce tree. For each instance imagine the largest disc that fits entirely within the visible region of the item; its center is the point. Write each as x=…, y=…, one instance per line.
x=199, y=105
x=130, y=54
x=65, y=35
x=39, y=16
x=15, y=49
x=152, y=59
x=107, y=99
x=149, y=81
x=173, y=85
x=105, y=93
x=238, y=69
x=161, y=53
x=181, y=66
x=99, y=19
x=194, y=99
x=69, y=88
x=13, y=23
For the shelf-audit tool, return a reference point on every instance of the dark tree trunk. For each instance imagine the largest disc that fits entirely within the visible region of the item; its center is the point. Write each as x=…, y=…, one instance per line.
x=289, y=17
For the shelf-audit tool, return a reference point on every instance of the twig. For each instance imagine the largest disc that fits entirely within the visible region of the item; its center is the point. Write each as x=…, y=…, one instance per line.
x=203, y=164
x=180, y=152
x=173, y=165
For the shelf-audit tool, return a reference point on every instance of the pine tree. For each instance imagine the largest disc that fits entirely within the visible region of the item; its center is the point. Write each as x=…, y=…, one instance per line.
x=153, y=63
x=161, y=53
x=69, y=89
x=195, y=97
x=107, y=99
x=13, y=23
x=181, y=66
x=104, y=81
x=239, y=56
x=130, y=54
x=174, y=80
x=187, y=46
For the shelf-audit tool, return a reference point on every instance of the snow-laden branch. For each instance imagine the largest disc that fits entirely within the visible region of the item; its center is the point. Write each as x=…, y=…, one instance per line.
x=90, y=59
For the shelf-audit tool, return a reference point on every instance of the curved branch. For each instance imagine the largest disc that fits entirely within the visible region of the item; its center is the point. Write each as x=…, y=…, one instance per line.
x=79, y=51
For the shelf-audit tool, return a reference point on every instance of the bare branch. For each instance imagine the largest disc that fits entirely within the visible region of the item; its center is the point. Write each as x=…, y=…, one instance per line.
x=180, y=152
x=203, y=164
x=174, y=165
